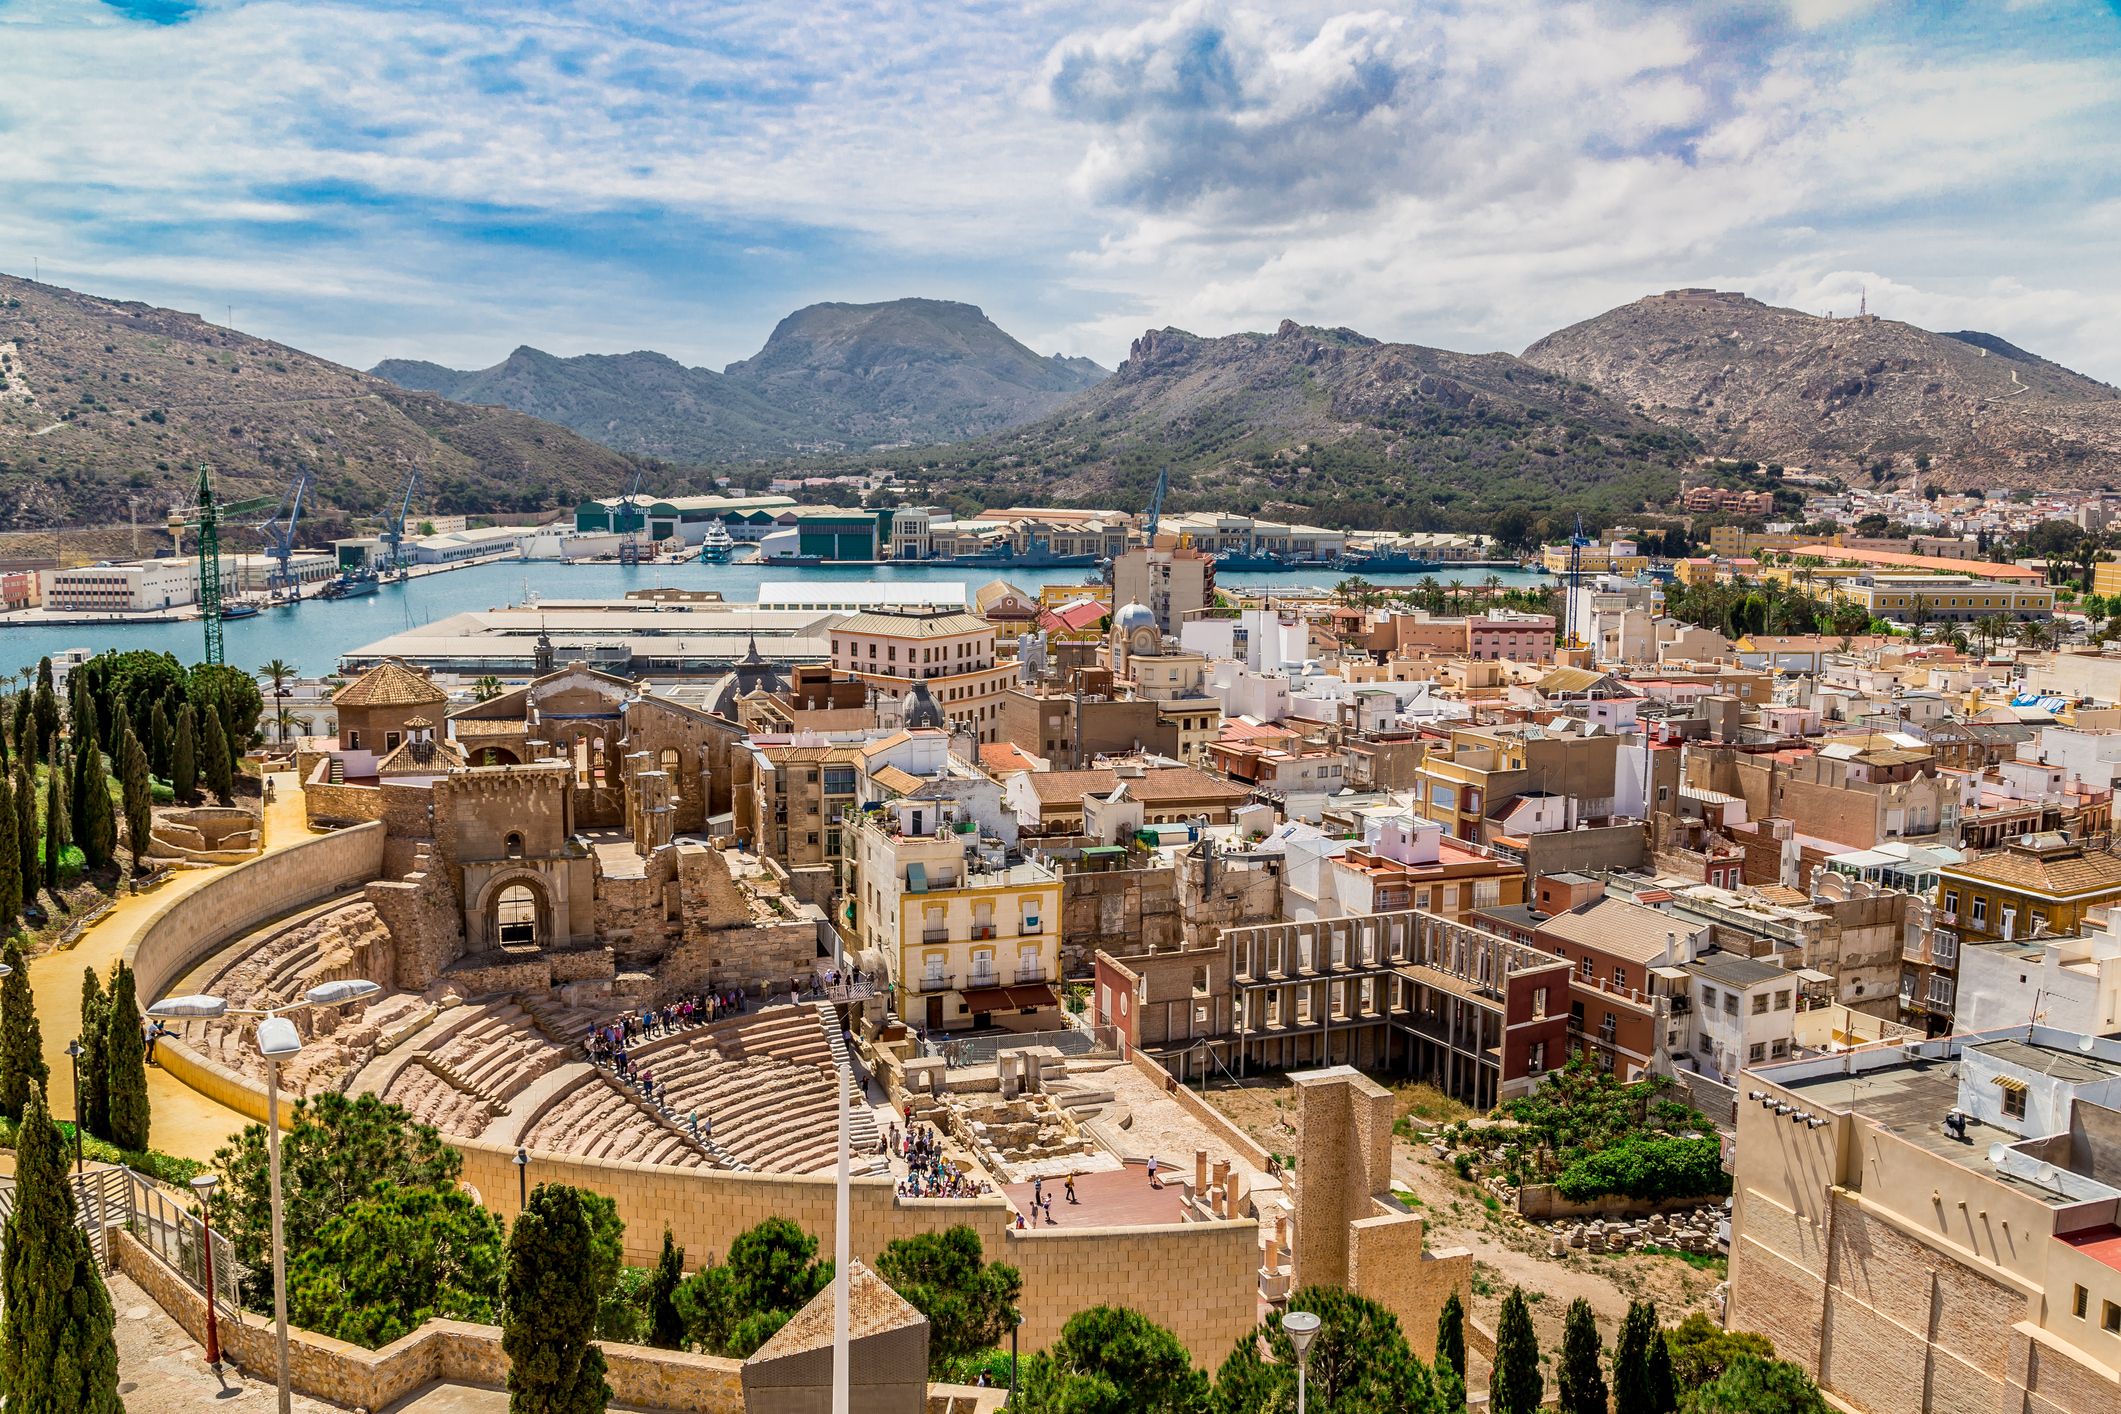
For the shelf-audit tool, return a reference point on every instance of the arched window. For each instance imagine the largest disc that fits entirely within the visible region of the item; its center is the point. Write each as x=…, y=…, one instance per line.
x=667, y=760
x=515, y=916
x=514, y=845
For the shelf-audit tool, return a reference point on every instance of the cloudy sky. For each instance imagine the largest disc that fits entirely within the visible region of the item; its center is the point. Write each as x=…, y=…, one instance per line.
x=447, y=181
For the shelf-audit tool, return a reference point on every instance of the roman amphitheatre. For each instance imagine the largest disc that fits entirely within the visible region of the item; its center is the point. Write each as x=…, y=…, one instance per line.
x=512, y=912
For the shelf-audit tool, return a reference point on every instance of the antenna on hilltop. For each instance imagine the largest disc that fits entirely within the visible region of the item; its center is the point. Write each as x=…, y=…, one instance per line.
x=1863, y=302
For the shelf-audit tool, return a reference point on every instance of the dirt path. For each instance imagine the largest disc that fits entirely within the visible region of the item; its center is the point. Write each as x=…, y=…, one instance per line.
x=183, y=1121
x=1506, y=1252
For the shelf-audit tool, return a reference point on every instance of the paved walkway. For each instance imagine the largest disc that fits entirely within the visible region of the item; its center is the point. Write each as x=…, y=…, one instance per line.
x=161, y=1368
x=182, y=1121
x=1124, y=1198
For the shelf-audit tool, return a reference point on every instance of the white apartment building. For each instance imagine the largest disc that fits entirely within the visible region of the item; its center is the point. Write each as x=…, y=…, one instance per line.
x=132, y=588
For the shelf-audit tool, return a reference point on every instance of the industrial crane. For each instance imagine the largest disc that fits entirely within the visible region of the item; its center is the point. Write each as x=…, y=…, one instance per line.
x=206, y=515
x=630, y=523
x=1577, y=542
x=279, y=536
x=394, y=527
x=1156, y=505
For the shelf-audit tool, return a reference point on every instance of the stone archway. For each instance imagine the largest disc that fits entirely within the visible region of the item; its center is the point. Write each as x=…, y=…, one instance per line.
x=495, y=756
x=517, y=912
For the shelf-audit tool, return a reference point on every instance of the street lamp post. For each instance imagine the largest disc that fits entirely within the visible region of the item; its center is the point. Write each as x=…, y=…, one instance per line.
x=522, y=1163
x=1301, y=1327
x=277, y=1041
x=73, y=1054
x=203, y=1185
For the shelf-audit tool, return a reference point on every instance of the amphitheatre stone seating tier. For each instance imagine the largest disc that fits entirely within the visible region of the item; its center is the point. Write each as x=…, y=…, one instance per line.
x=599, y=1120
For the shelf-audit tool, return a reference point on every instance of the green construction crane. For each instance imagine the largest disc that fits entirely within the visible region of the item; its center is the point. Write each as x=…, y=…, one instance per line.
x=207, y=517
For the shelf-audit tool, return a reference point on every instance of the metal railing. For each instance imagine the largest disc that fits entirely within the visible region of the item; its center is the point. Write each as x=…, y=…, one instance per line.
x=118, y=1197
x=1031, y=972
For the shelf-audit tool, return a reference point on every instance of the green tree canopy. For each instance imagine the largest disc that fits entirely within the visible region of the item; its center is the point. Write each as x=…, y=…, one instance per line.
x=336, y=1150
x=1112, y=1360
x=22, y=1068
x=125, y=1059
x=93, y=1097
x=58, y=1349
x=1702, y=1349
x=394, y=1259
x=1751, y=1385
x=1579, y=1375
x=184, y=755
x=1359, y=1363
x=215, y=765
x=733, y=1307
x=666, y=1324
x=1517, y=1387
x=232, y=695
x=970, y=1303
x=551, y=1295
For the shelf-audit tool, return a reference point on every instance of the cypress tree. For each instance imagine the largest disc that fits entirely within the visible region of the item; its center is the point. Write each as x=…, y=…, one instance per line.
x=214, y=762
x=1580, y=1375
x=1451, y=1334
x=86, y=760
x=1631, y=1360
x=22, y=1068
x=666, y=1327
x=1518, y=1386
x=25, y=734
x=158, y=741
x=6, y=746
x=125, y=1056
x=1664, y=1396
x=94, y=1066
x=46, y=710
x=99, y=822
x=25, y=828
x=58, y=1344
x=10, y=862
x=554, y=1365
x=56, y=838
x=184, y=756
x=138, y=791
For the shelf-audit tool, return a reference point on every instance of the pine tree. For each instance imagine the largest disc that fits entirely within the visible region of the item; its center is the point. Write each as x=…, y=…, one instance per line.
x=554, y=1366
x=184, y=756
x=56, y=825
x=26, y=831
x=666, y=1327
x=158, y=741
x=1581, y=1374
x=214, y=762
x=138, y=791
x=58, y=1343
x=125, y=1059
x=1631, y=1360
x=94, y=1102
x=10, y=862
x=22, y=1068
x=1517, y=1387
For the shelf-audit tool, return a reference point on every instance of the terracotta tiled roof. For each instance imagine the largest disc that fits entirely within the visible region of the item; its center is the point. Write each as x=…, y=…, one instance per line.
x=420, y=758
x=2062, y=875
x=1004, y=756
x=388, y=684
x=471, y=728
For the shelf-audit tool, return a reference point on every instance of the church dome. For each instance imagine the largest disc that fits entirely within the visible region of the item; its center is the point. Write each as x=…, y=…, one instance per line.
x=922, y=710
x=1134, y=616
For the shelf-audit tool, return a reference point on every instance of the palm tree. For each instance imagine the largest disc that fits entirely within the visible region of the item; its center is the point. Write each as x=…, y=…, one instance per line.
x=486, y=689
x=279, y=671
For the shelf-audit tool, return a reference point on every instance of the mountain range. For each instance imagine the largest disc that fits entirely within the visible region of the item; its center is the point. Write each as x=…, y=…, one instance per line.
x=108, y=407
x=1856, y=395
x=831, y=377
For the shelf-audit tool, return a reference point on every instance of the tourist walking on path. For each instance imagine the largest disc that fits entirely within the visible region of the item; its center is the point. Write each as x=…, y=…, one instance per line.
x=1071, y=1189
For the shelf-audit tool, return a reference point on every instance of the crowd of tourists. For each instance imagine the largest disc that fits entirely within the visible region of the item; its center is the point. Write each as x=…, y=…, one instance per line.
x=928, y=1173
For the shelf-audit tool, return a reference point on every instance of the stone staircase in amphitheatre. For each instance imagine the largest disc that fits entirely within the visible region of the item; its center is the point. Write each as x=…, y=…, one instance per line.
x=448, y=1075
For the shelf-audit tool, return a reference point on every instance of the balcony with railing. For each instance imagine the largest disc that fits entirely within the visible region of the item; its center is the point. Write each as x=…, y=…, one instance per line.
x=1031, y=972
x=983, y=977
x=984, y=932
x=930, y=983
x=935, y=935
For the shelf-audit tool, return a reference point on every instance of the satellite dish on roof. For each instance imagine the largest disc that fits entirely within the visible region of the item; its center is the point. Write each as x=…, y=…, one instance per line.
x=2085, y=1044
x=1996, y=1152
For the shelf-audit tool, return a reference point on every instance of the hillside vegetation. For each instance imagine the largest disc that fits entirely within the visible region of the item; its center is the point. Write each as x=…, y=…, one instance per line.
x=1329, y=425
x=1865, y=395
x=107, y=402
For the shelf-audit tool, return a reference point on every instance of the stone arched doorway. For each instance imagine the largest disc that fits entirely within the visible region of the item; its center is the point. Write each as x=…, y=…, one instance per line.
x=518, y=914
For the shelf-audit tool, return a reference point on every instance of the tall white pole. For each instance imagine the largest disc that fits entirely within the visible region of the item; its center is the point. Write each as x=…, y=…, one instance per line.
x=279, y=1250
x=842, y=1271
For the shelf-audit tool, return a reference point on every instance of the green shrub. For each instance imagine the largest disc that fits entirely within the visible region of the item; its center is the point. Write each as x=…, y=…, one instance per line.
x=1646, y=1167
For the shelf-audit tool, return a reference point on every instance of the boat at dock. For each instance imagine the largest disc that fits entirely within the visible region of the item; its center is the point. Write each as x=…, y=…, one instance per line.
x=355, y=584
x=716, y=547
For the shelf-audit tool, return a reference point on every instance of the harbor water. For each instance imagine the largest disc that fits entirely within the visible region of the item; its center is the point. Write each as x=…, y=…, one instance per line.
x=313, y=634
